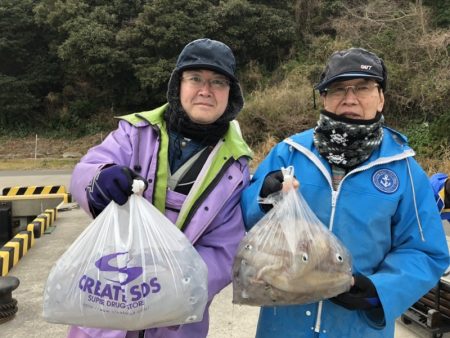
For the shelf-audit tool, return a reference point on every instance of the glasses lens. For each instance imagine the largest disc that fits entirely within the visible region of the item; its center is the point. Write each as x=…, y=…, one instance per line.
x=199, y=82
x=219, y=83
x=360, y=91
x=336, y=92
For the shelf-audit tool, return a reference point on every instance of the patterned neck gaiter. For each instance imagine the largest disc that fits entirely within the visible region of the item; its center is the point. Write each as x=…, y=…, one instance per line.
x=347, y=142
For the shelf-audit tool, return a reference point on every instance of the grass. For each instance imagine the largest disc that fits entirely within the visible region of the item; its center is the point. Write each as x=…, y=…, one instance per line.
x=37, y=164
x=432, y=166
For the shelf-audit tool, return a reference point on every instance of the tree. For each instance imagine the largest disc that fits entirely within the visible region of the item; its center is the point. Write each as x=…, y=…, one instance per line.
x=97, y=74
x=255, y=31
x=153, y=41
x=441, y=12
x=27, y=69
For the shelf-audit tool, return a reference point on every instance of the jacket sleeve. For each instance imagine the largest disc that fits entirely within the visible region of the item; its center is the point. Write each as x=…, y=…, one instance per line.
x=415, y=263
x=274, y=161
x=115, y=149
x=218, y=245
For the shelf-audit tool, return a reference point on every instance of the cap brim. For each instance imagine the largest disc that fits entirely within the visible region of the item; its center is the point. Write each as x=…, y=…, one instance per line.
x=208, y=67
x=348, y=76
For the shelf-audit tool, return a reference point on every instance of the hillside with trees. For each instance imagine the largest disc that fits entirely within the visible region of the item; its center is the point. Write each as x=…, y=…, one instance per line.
x=69, y=66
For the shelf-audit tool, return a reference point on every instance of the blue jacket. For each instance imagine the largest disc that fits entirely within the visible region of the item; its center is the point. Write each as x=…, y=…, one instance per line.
x=385, y=214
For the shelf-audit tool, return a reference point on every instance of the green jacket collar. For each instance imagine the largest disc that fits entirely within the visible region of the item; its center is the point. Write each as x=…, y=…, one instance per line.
x=233, y=140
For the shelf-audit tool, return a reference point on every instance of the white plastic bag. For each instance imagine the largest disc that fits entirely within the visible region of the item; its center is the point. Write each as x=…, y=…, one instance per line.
x=131, y=269
x=289, y=256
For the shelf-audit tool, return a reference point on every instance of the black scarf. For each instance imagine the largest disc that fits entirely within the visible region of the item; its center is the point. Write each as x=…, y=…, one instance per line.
x=346, y=142
x=208, y=134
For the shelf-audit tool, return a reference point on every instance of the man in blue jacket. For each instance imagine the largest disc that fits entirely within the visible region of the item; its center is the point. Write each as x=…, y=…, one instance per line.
x=361, y=180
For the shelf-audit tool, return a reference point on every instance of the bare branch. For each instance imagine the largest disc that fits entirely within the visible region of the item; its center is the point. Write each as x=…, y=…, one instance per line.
x=367, y=18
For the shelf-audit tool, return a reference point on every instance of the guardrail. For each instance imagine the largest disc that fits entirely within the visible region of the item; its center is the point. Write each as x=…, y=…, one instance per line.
x=28, y=202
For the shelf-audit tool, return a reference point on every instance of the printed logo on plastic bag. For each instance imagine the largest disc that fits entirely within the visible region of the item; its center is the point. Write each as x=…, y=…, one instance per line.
x=110, y=293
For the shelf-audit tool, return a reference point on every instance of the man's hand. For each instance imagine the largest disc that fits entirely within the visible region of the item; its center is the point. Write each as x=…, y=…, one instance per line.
x=274, y=182
x=362, y=295
x=113, y=183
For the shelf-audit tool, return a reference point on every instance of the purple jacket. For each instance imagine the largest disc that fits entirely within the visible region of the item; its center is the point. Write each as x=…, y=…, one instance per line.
x=210, y=216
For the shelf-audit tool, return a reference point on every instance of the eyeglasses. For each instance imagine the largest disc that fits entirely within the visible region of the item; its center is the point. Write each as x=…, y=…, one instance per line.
x=361, y=91
x=199, y=82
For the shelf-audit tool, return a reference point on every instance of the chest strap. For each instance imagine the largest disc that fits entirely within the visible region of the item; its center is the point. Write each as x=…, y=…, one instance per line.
x=182, y=180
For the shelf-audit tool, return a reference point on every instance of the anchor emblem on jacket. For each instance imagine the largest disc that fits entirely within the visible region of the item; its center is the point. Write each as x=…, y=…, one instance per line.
x=385, y=181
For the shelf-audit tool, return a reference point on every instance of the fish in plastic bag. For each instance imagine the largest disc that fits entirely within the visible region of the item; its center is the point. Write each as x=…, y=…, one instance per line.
x=130, y=269
x=289, y=256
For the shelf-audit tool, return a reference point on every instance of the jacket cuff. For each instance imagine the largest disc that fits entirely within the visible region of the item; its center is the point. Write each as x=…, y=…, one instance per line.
x=375, y=318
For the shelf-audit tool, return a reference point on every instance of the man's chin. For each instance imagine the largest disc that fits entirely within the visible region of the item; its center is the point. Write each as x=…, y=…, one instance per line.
x=203, y=116
x=202, y=120
x=352, y=116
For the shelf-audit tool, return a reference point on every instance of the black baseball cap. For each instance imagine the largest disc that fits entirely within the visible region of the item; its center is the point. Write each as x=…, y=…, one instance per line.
x=350, y=64
x=207, y=54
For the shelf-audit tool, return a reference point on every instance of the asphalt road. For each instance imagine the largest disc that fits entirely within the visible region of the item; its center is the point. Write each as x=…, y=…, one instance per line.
x=10, y=178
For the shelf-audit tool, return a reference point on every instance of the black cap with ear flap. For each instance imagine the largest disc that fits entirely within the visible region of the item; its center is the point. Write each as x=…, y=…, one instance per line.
x=350, y=64
x=208, y=54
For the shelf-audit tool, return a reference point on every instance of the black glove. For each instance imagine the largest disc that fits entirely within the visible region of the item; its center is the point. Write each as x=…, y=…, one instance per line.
x=362, y=295
x=272, y=183
x=112, y=183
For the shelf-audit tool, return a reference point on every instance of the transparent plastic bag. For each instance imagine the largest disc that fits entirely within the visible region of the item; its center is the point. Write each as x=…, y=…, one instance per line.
x=130, y=269
x=289, y=256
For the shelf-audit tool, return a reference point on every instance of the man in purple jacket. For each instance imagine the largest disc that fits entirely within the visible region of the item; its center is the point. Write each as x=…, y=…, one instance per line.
x=194, y=160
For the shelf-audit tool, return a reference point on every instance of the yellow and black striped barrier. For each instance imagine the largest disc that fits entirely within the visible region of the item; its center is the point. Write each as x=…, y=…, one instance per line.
x=42, y=222
x=37, y=227
x=53, y=214
x=18, y=246
x=14, y=250
x=36, y=191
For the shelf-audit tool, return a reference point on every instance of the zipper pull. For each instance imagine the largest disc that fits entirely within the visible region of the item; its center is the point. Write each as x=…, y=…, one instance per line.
x=333, y=198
